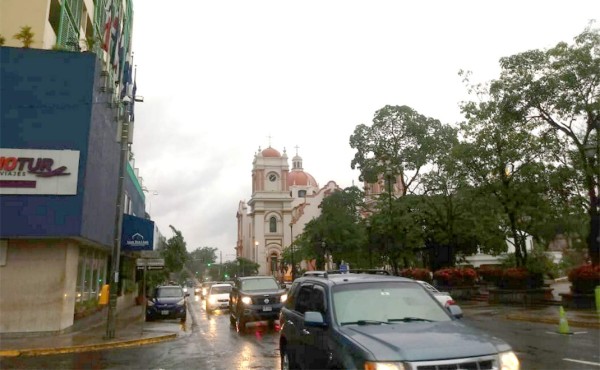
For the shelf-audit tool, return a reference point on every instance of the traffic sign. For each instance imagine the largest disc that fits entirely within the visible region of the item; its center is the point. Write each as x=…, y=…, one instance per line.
x=150, y=263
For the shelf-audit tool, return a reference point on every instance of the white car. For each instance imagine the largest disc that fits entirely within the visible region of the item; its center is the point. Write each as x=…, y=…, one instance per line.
x=443, y=297
x=217, y=297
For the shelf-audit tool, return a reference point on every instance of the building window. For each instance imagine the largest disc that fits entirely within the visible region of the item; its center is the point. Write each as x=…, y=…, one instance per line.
x=301, y=193
x=273, y=224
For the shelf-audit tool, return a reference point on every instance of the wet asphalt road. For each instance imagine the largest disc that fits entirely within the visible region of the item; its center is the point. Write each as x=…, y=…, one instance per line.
x=210, y=342
x=204, y=342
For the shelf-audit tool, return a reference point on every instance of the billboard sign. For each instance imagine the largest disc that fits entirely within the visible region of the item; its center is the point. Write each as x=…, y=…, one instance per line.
x=38, y=171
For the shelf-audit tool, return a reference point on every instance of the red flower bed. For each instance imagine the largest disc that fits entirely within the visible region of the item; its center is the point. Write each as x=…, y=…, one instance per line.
x=490, y=274
x=417, y=274
x=585, y=278
x=455, y=276
x=520, y=278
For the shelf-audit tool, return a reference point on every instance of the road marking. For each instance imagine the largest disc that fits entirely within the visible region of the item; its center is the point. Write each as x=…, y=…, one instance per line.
x=572, y=333
x=582, y=362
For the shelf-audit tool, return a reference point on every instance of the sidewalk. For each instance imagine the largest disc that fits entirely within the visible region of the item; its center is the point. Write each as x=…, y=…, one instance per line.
x=88, y=336
x=547, y=314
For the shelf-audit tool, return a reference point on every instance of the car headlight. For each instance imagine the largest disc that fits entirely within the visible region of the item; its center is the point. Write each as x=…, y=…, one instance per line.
x=509, y=361
x=369, y=365
x=185, y=290
x=150, y=303
x=204, y=291
x=283, y=298
x=181, y=303
x=212, y=300
x=246, y=300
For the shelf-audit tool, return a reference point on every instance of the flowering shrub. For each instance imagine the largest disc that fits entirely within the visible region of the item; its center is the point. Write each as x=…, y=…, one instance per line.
x=520, y=278
x=490, y=274
x=455, y=276
x=585, y=278
x=417, y=274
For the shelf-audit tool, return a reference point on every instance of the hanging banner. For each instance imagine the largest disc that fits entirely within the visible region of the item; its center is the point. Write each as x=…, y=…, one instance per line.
x=137, y=234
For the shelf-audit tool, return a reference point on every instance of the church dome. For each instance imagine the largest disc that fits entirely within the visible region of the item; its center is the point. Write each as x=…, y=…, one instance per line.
x=270, y=152
x=301, y=178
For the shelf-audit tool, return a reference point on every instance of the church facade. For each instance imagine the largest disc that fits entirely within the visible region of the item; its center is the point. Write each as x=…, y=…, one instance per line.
x=283, y=200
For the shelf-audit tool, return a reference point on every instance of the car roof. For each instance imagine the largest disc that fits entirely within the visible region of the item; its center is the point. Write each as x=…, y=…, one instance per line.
x=220, y=284
x=255, y=277
x=348, y=278
x=169, y=286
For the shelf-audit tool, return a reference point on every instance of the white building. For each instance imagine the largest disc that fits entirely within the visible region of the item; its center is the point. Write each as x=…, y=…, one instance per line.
x=282, y=202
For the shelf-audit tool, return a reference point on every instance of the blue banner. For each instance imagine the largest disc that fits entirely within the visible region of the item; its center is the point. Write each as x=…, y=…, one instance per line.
x=137, y=234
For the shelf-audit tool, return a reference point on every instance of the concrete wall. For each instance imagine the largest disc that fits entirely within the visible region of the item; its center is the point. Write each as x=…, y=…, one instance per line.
x=33, y=13
x=37, y=286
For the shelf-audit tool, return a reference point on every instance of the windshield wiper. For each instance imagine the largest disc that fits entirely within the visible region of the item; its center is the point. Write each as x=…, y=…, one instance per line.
x=364, y=322
x=410, y=319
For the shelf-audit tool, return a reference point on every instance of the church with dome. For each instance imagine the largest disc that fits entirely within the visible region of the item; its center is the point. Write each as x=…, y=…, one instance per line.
x=283, y=201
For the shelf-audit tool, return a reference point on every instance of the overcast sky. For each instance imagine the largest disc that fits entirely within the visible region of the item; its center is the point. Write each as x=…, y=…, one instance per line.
x=220, y=77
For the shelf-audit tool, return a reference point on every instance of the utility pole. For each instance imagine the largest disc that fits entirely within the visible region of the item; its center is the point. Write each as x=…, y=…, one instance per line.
x=123, y=138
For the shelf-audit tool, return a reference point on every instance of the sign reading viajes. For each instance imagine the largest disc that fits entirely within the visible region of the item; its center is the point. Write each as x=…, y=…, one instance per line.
x=38, y=171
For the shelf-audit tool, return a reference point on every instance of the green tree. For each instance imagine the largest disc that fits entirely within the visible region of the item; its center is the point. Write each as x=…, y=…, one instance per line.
x=400, y=140
x=174, y=253
x=337, y=231
x=25, y=36
x=557, y=91
x=199, y=259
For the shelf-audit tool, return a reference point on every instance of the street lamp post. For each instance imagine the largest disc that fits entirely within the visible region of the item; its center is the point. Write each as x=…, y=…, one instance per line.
x=369, y=246
x=292, y=251
x=114, y=273
x=592, y=151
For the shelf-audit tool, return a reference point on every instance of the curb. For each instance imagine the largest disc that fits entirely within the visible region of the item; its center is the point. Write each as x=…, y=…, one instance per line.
x=547, y=320
x=87, y=347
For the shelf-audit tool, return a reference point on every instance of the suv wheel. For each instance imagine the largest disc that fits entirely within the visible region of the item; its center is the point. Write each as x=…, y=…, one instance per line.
x=286, y=362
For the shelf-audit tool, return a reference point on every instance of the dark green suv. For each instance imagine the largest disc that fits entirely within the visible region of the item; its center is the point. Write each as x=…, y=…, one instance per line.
x=362, y=321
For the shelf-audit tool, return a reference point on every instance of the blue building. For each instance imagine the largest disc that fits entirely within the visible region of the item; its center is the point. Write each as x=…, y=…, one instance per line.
x=60, y=115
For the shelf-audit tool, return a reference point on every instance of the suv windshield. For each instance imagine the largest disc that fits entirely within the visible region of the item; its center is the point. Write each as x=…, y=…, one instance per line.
x=259, y=284
x=168, y=292
x=384, y=302
x=220, y=289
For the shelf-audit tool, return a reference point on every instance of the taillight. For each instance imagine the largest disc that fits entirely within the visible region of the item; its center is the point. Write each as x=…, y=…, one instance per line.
x=450, y=302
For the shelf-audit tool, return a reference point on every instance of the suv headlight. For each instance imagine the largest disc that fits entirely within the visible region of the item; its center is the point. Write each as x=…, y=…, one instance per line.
x=283, y=298
x=181, y=303
x=369, y=365
x=212, y=300
x=246, y=300
x=509, y=361
x=150, y=303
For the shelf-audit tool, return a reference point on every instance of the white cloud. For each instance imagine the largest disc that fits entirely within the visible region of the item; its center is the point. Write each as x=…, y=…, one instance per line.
x=219, y=77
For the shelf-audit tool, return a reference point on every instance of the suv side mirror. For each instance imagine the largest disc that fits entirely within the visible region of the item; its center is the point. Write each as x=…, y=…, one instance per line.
x=455, y=311
x=314, y=319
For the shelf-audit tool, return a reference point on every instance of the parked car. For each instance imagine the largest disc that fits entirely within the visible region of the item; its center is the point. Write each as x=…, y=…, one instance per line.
x=443, y=297
x=374, y=321
x=167, y=302
x=218, y=297
x=255, y=298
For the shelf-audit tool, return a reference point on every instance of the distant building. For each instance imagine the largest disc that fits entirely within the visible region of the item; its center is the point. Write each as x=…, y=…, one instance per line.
x=281, y=204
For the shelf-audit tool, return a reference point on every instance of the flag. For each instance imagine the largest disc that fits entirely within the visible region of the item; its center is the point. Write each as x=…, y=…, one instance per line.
x=108, y=22
x=133, y=95
x=126, y=86
x=115, y=33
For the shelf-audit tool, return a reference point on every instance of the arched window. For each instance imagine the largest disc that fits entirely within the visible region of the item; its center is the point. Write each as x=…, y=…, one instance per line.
x=273, y=224
x=301, y=193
